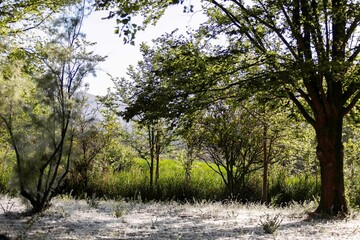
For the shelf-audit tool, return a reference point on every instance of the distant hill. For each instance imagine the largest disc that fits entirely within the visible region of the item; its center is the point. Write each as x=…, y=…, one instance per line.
x=94, y=105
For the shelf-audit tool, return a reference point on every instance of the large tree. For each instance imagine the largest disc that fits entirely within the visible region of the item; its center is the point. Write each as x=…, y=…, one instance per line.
x=308, y=49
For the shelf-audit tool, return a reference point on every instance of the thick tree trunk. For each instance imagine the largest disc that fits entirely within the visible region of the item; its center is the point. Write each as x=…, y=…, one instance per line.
x=329, y=122
x=330, y=154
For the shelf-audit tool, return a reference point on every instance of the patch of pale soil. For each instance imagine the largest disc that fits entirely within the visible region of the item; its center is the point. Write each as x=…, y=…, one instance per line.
x=75, y=219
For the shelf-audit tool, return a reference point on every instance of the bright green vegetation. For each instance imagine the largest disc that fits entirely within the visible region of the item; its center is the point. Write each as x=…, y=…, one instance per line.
x=204, y=185
x=284, y=187
x=134, y=183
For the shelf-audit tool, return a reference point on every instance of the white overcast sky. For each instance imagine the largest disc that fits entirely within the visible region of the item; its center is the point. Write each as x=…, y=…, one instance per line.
x=120, y=56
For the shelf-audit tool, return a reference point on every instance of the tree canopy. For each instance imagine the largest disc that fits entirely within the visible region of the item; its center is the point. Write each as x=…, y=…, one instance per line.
x=27, y=14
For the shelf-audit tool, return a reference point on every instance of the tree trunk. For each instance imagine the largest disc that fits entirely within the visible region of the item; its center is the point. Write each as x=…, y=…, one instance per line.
x=330, y=154
x=157, y=170
x=265, y=172
x=231, y=185
x=151, y=173
x=157, y=156
x=188, y=166
x=151, y=148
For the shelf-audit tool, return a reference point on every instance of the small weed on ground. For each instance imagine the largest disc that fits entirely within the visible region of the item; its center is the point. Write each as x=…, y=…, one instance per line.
x=119, y=211
x=93, y=201
x=271, y=223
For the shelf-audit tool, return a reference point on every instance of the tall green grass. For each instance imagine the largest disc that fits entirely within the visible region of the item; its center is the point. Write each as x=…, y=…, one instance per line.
x=204, y=184
x=134, y=183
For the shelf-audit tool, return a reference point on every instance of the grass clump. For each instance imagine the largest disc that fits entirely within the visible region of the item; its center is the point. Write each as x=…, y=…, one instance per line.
x=271, y=223
x=119, y=211
x=93, y=201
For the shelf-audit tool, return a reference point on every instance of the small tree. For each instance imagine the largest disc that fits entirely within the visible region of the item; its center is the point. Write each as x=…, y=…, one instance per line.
x=40, y=120
x=149, y=138
x=90, y=140
x=232, y=139
x=149, y=142
x=187, y=151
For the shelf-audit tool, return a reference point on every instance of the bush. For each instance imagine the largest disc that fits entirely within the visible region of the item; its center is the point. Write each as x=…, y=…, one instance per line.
x=353, y=190
x=252, y=189
x=205, y=183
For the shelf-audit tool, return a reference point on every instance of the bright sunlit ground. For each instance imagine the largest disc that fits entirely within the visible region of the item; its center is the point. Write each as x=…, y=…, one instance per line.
x=77, y=219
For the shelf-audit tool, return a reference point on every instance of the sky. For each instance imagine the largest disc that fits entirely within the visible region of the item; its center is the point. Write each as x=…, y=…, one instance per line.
x=120, y=56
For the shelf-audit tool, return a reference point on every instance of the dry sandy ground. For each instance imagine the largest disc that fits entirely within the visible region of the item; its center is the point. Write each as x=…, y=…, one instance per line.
x=75, y=219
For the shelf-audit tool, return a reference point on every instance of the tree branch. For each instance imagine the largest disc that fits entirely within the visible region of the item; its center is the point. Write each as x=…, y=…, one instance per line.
x=237, y=23
x=352, y=88
x=351, y=104
x=354, y=55
x=351, y=29
x=295, y=31
x=301, y=108
x=317, y=34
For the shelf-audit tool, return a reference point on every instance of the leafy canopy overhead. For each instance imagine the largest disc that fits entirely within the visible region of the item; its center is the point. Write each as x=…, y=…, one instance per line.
x=27, y=14
x=306, y=49
x=179, y=76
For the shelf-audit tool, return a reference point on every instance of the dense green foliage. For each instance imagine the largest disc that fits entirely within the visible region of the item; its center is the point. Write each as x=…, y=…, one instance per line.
x=19, y=16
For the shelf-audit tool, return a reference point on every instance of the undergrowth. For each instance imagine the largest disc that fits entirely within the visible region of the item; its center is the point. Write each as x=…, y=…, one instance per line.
x=204, y=184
